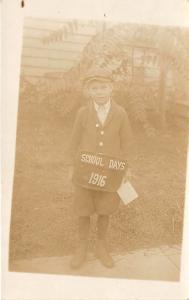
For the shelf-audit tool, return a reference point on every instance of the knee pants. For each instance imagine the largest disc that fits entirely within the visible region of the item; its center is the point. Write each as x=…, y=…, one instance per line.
x=88, y=202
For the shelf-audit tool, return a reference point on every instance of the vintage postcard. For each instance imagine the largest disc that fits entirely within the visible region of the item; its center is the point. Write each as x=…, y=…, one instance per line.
x=96, y=166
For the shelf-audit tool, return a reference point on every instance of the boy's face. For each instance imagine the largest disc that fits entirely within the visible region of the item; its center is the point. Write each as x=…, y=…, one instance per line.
x=99, y=91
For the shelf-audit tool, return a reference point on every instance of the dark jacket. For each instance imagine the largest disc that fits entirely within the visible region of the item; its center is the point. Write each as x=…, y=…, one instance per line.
x=114, y=138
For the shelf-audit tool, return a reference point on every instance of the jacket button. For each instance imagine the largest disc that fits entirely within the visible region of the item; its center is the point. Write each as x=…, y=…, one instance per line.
x=97, y=125
x=102, y=132
x=101, y=144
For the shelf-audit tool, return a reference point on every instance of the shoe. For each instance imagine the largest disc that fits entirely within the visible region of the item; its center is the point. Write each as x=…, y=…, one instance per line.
x=103, y=255
x=80, y=255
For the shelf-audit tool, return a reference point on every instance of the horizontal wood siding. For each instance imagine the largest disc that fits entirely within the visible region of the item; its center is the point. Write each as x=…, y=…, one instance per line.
x=40, y=57
x=50, y=53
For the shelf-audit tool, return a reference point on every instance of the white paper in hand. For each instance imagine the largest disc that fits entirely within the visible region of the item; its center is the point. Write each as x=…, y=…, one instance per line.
x=127, y=192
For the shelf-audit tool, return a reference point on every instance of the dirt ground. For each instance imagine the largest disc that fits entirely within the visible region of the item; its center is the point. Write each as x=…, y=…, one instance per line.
x=43, y=223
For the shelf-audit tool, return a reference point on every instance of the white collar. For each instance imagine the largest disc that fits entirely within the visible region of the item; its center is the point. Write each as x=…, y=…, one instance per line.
x=106, y=105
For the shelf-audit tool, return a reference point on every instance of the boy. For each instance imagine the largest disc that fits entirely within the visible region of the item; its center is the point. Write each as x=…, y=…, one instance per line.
x=101, y=127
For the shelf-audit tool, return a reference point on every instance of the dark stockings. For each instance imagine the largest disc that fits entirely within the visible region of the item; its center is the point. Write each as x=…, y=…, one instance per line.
x=102, y=227
x=84, y=226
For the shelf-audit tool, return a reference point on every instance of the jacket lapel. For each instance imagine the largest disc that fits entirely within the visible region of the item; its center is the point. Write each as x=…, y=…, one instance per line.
x=111, y=113
x=93, y=114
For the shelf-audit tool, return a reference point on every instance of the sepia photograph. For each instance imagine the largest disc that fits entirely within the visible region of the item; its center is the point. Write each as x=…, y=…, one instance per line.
x=101, y=150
